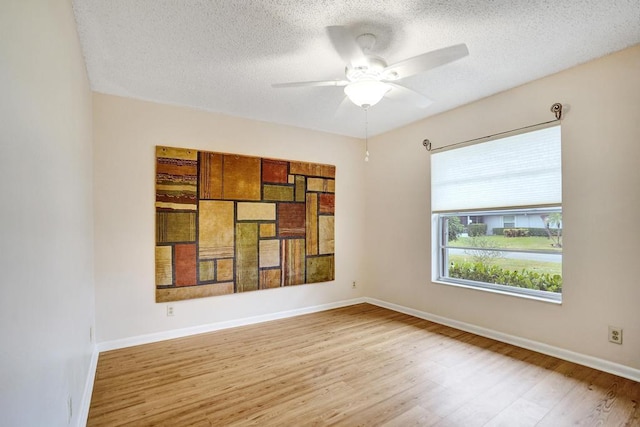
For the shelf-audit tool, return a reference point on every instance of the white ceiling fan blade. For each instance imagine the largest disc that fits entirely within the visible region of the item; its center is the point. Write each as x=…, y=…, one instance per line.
x=344, y=110
x=404, y=94
x=427, y=61
x=346, y=46
x=312, y=83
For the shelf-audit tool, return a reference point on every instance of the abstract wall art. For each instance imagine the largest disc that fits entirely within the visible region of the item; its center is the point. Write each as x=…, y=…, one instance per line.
x=228, y=223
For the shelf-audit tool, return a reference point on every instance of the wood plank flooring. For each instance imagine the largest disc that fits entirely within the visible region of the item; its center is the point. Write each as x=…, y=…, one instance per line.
x=356, y=366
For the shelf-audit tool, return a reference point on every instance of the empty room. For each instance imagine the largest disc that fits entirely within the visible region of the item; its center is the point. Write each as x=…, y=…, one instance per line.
x=286, y=213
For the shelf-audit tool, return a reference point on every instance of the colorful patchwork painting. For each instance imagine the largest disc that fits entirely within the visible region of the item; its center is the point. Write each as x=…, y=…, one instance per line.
x=227, y=223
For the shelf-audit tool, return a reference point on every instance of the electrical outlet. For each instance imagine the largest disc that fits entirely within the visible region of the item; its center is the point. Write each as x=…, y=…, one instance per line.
x=615, y=334
x=169, y=310
x=90, y=334
x=353, y=285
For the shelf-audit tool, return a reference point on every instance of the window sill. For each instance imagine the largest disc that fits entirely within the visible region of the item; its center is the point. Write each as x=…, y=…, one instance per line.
x=500, y=292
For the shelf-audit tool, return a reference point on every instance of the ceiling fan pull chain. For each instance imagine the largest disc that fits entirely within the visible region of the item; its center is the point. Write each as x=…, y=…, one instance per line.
x=366, y=134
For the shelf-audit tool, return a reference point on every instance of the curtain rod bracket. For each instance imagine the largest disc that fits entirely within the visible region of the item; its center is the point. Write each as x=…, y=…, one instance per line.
x=427, y=144
x=557, y=110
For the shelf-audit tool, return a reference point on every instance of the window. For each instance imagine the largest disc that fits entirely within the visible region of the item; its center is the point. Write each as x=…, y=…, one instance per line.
x=500, y=183
x=508, y=221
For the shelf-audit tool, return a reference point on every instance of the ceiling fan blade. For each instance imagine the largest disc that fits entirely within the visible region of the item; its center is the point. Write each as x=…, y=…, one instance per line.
x=427, y=61
x=404, y=94
x=345, y=109
x=346, y=46
x=312, y=83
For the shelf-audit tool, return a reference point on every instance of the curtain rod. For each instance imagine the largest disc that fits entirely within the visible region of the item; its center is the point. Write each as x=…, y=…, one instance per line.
x=556, y=109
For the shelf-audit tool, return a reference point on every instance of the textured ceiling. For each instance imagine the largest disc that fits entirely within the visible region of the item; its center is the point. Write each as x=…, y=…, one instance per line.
x=223, y=55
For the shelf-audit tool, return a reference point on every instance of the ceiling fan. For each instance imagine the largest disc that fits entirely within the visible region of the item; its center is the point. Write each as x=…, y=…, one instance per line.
x=368, y=78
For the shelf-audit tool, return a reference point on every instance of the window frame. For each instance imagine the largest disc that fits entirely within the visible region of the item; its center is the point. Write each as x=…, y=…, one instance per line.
x=449, y=199
x=442, y=255
x=504, y=223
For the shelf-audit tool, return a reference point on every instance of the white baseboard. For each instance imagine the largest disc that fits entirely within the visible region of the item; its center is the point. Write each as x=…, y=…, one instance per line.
x=560, y=353
x=83, y=413
x=200, y=329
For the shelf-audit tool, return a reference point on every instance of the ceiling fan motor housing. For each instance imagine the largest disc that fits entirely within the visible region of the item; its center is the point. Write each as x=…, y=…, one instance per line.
x=373, y=70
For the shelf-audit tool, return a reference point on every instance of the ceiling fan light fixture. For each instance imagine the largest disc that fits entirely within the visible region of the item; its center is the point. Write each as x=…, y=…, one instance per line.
x=365, y=93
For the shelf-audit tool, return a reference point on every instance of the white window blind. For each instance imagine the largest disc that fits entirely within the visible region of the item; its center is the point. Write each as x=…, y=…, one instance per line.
x=518, y=170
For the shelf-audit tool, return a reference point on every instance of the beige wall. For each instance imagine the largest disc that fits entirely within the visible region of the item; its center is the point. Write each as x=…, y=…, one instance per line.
x=601, y=200
x=126, y=132
x=47, y=220
x=46, y=215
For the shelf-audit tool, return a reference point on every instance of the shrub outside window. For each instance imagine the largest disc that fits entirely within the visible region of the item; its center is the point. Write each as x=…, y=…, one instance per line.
x=497, y=214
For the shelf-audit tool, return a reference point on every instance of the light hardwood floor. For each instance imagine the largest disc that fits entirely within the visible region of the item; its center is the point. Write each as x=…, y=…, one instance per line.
x=356, y=366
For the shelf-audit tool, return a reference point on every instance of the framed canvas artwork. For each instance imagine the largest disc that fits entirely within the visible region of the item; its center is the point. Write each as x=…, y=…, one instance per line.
x=229, y=223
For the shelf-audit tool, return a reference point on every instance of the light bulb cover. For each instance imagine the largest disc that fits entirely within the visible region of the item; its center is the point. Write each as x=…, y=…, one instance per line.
x=366, y=92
